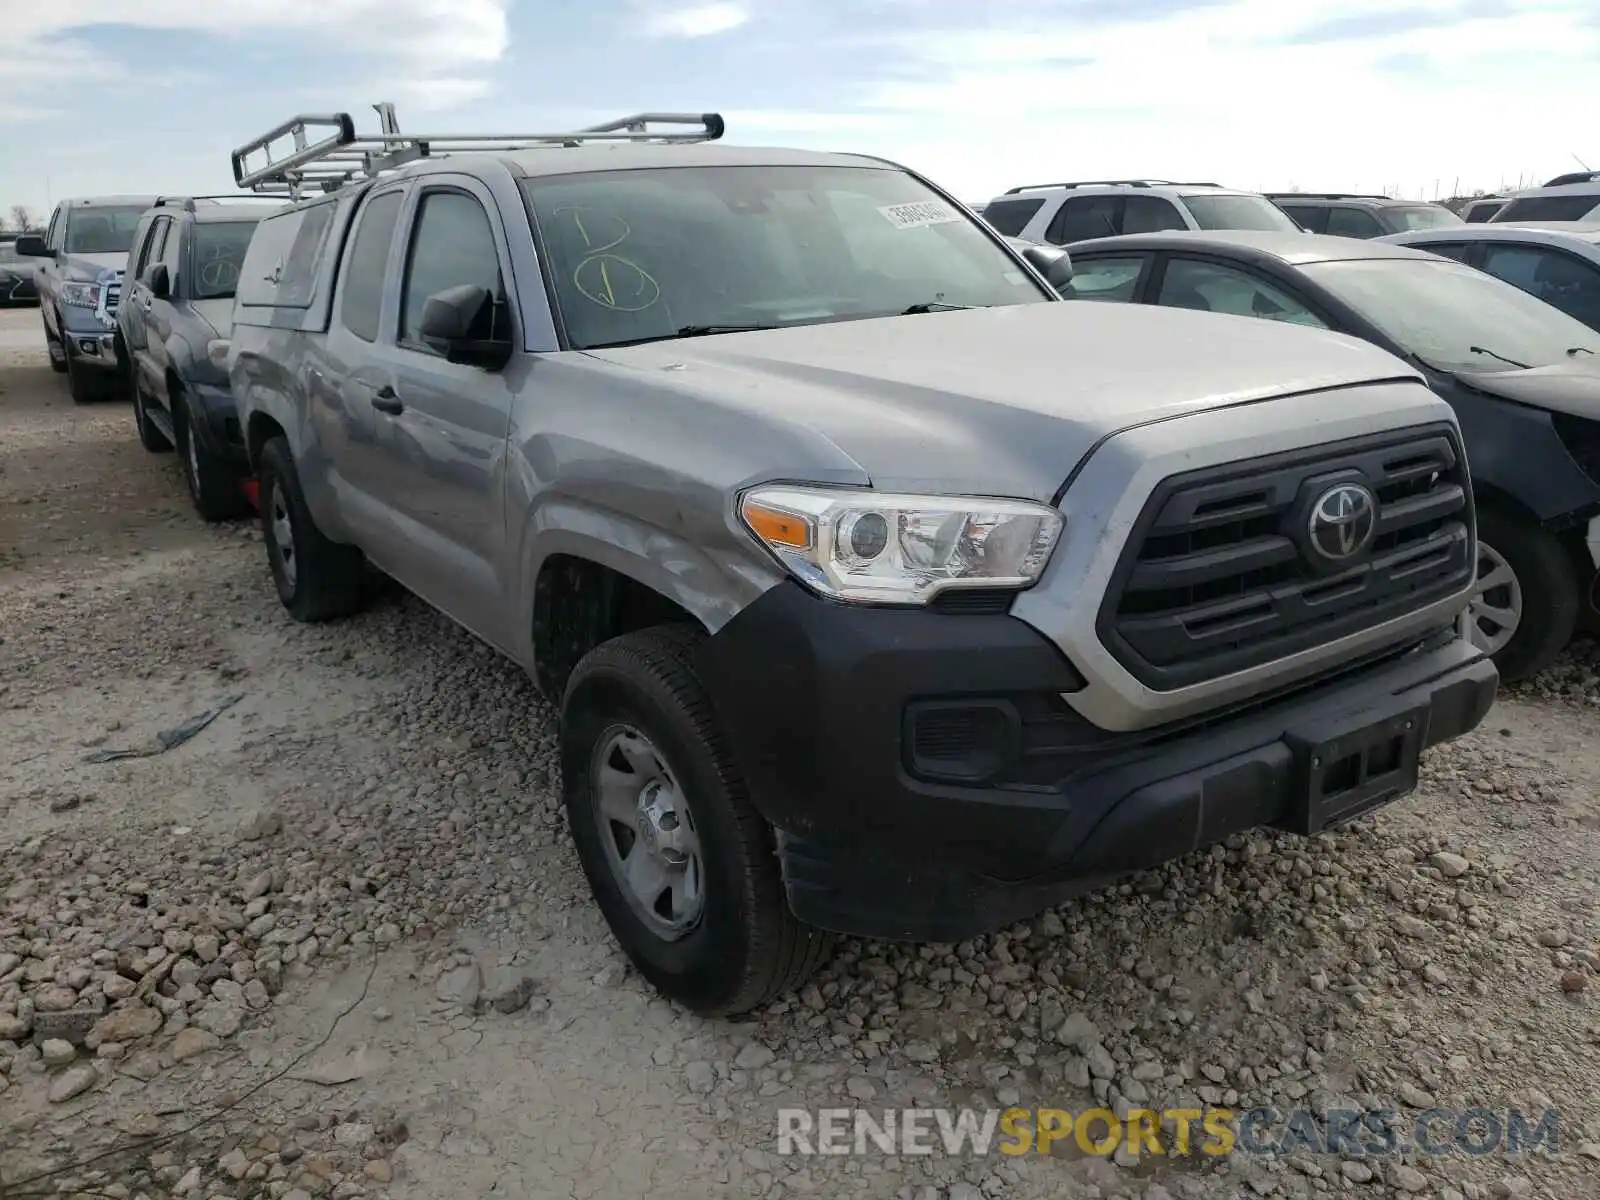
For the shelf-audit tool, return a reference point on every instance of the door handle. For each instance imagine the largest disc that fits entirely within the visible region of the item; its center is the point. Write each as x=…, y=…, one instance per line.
x=387, y=400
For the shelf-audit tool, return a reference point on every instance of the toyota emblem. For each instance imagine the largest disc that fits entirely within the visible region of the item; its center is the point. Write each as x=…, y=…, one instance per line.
x=1343, y=522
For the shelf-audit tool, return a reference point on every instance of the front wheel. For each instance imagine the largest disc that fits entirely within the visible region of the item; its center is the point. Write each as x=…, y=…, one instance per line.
x=1526, y=602
x=682, y=866
x=317, y=578
x=85, y=384
x=212, y=481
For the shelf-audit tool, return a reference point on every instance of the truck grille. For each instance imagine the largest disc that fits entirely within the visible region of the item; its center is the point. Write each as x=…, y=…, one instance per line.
x=1231, y=567
x=110, y=294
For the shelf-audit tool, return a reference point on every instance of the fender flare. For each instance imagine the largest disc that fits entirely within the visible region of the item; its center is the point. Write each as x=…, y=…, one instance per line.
x=711, y=588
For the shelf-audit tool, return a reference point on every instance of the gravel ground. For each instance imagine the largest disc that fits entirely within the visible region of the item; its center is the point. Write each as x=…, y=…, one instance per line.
x=337, y=943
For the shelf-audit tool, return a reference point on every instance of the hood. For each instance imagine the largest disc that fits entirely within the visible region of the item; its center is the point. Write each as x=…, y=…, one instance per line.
x=1572, y=388
x=92, y=266
x=1020, y=393
x=216, y=313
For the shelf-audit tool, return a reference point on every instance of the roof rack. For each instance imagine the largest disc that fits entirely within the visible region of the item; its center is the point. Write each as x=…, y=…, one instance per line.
x=1138, y=183
x=187, y=203
x=341, y=156
x=1326, y=196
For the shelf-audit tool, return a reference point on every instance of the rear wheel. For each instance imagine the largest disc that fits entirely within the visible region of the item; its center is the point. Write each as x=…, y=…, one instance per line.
x=681, y=864
x=213, y=482
x=1527, y=600
x=317, y=578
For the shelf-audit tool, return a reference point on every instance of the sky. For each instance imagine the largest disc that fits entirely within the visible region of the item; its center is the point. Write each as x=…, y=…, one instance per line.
x=1420, y=98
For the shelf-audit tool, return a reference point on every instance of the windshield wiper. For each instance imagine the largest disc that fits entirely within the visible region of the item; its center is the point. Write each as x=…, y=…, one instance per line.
x=1577, y=350
x=706, y=330
x=928, y=306
x=1491, y=354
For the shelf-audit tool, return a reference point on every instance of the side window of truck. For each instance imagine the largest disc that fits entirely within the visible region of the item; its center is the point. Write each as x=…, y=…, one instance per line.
x=299, y=278
x=361, y=295
x=150, y=248
x=172, y=250
x=452, y=244
x=56, y=236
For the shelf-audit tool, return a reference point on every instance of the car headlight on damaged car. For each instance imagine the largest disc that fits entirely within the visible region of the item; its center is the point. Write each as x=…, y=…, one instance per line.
x=81, y=295
x=880, y=548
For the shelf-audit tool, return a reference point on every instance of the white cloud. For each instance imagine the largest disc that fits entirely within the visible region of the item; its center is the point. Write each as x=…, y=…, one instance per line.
x=702, y=20
x=430, y=52
x=1222, y=91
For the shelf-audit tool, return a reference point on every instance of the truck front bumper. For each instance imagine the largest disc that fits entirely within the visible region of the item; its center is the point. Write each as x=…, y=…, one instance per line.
x=91, y=348
x=927, y=781
x=87, y=340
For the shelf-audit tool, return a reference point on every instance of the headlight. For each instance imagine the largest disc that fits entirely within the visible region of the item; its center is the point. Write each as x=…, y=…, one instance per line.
x=81, y=295
x=217, y=352
x=878, y=548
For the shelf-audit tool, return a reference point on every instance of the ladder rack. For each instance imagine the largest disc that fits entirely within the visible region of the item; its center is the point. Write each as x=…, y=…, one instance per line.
x=327, y=153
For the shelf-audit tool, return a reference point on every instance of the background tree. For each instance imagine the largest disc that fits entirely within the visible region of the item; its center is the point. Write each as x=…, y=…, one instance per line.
x=21, y=217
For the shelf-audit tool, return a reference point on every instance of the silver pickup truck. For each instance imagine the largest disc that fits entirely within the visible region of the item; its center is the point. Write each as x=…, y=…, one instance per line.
x=83, y=253
x=882, y=590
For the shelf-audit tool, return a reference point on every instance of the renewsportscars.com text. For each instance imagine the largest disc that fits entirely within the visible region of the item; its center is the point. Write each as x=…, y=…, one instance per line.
x=1175, y=1131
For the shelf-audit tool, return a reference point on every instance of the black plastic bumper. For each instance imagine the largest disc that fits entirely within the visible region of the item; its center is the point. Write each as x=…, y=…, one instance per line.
x=220, y=431
x=928, y=781
x=96, y=348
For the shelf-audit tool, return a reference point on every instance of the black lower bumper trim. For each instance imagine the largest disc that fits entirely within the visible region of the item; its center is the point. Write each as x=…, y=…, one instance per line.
x=814, y=700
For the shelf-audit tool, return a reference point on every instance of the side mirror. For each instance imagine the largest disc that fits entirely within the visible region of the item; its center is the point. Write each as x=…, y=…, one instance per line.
x=1054, y=263
x=158, y=280
x=31, y=245
x=467, y=324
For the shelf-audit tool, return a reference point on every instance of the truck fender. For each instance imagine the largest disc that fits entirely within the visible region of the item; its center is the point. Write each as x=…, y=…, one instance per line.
x=709, y=586
x=1514, y=450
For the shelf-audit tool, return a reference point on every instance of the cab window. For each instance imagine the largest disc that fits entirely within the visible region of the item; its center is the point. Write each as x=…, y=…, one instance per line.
x=1209, y=287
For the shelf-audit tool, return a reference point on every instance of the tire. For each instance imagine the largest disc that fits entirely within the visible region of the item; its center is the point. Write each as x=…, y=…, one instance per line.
x=744, y=947
x=318, y=579
x=1531, y=578
x=53, y=344
x=150, y=437
x=86, y=386
x=213, y=482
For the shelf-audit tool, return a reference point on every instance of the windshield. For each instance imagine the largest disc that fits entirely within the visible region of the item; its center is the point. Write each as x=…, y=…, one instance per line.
x=1438, y=309
x=1550, y=208
x=218, y=253
x=1423, y=216
x=103, y=229
x=1238, y=212
x=642, y=255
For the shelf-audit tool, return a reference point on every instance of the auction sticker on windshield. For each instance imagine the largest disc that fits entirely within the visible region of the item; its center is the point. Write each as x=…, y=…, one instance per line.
x=919, y=213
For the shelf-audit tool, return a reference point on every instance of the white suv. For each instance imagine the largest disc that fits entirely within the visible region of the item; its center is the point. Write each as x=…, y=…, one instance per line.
x=1062, y=213
x=1562, y=202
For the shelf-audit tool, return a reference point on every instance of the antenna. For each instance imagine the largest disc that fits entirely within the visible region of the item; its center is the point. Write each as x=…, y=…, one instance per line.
x=326, y=152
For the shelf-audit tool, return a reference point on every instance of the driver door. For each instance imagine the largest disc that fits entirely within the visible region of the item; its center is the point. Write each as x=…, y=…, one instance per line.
x=136, y=303
x=158, y=312
x=447, y=423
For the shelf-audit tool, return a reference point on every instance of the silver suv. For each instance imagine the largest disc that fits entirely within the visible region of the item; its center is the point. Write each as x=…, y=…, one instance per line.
x=882, y=591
